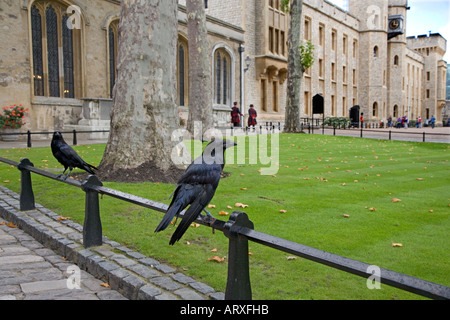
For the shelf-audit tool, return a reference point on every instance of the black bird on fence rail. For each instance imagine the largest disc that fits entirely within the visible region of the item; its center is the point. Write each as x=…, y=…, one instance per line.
x=196, y=187
x=67, y=156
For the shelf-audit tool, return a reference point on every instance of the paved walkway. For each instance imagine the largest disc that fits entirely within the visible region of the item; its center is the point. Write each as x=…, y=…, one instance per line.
x=436, y=135
x=42, y=258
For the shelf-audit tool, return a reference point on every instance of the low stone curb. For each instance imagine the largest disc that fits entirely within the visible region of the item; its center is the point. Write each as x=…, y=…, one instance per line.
x=132, y=274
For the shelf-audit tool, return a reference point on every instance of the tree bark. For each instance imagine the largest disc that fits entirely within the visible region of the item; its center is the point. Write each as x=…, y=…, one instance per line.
x=295, y=69
x=144, y=112
x=200, y=106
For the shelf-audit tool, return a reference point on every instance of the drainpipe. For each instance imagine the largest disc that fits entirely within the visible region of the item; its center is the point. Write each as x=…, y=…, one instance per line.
x=241, y=51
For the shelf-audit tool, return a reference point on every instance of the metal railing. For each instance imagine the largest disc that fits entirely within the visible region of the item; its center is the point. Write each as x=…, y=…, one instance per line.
x=73, y=132
x=270, y=127
x=238, y=229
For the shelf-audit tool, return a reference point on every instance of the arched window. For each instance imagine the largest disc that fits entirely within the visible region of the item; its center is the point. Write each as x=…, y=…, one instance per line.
x=395, y=112
x=396, y=61
x=56, y=51
x=182, y=72
x=375, y=109
x=113, y=36
x=375, y=51
x=222, y=77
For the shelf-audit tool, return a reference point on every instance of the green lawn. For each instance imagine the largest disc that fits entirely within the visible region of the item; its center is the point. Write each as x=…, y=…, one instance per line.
x=320, y=179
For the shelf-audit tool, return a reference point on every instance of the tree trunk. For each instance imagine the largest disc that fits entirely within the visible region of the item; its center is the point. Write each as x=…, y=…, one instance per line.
x=295, y=69
x=200, y=108
x=144, y=112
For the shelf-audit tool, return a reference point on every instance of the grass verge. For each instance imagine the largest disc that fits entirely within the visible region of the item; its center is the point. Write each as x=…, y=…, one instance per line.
x=349, y=196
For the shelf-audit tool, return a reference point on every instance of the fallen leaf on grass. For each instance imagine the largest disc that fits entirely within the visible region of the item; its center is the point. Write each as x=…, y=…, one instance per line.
x=283, y=211
x=291, y=258
x=216, y=259
x=214, y=250
x=223, y=213
x=243, y=188
x=6, y=181
x=397, y=245
x=211, y=206
x=238, y=204
x=229, y=207
x=396, y=200
x=346, y=215
x=195, y=225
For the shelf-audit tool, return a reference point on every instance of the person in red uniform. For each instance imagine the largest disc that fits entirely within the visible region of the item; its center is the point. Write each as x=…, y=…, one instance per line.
x=235, y=113
x=252, y=114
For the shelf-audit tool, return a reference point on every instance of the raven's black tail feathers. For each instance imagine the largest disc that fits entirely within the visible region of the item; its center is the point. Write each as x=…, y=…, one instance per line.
x=89, y=168
x=174, y=210
x=189, y=216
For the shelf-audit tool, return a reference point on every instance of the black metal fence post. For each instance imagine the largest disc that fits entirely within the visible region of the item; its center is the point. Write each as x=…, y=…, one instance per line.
x=238, y=281
x=75, y=142
x=26, y=188
x=92, y=229
x=29, y=139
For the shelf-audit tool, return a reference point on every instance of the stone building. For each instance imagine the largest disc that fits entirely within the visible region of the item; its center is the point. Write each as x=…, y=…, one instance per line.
x=60, y=60
x=362, y=57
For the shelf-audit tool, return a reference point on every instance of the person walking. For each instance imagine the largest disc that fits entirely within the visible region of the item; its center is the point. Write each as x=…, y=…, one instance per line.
x=252, y=114
x=432, y=121
x=235, y=113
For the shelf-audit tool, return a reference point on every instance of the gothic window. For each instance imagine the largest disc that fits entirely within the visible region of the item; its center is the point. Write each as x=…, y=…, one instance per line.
x=225, y=81
x=222, y=77
x=68, y=59
x=113, y=37
x=52, y=50
x=38, y=72
x=182, y=72
x=218, y=78
x=375, y=51
x=56, y=51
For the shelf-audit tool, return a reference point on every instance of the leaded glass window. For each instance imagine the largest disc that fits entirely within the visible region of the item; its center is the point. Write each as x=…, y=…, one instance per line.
x=52, y=50
x=56, y=51
x=181, y=88
x=38, y=69
x=68, y=59
x=112, y=60
x=222, y=77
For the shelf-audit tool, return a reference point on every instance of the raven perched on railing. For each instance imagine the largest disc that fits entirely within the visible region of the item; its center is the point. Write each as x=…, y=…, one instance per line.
x=67, y=156
x=196, y=187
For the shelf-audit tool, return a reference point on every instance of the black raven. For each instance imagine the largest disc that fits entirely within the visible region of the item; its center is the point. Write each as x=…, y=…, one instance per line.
x=196, y=187
x=67, y=156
